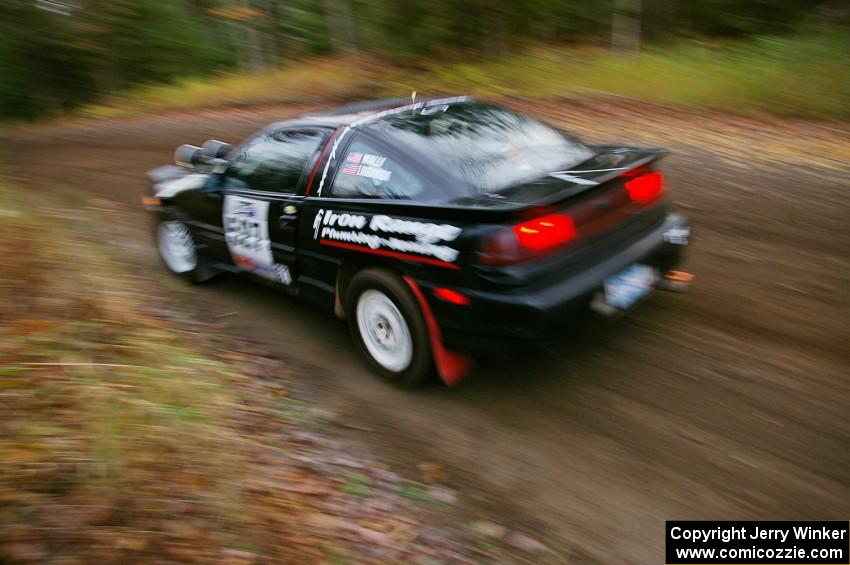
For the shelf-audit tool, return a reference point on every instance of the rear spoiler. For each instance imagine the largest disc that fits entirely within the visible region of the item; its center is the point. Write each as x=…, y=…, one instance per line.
x=594, y=171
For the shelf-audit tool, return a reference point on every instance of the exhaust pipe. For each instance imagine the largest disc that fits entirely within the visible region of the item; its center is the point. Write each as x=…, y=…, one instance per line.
x=676, y=281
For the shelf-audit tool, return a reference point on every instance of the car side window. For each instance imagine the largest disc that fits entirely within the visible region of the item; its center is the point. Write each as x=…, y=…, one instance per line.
x=274, y=161
x=368, y=172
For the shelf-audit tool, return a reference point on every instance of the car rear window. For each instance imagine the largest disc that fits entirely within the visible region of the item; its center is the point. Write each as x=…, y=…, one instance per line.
x=368, y=172
x=491, y=148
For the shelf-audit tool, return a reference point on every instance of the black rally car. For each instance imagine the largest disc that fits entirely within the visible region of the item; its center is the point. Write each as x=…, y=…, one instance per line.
x=437, y=229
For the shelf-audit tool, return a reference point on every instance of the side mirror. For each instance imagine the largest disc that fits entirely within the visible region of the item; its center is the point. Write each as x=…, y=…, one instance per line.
x=188, y=155
x=215, y=149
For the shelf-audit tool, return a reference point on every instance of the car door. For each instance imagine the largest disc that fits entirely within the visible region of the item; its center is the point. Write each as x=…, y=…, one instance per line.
x=262, y=200
x=376, y=201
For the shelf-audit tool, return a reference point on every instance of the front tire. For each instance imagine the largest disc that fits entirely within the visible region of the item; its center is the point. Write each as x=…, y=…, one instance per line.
x=388, y=328
x=178, y=252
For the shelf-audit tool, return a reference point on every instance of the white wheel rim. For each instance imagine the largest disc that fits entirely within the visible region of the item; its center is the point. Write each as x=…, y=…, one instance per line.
x=384, y=331
x=176, y=247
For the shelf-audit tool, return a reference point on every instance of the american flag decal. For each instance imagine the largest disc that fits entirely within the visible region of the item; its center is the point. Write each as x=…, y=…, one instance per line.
x=351, y=169
x=354, y=157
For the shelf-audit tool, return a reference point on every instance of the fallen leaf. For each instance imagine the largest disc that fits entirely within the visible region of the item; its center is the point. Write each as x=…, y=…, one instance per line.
x=432, y=472
x=488, y=529
x=524, y=543
x=442, y=494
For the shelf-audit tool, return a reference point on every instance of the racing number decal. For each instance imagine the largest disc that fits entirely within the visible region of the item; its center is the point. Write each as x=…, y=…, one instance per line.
x=246, y=230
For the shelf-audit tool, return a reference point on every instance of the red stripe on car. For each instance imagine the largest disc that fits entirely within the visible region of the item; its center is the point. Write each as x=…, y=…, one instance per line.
x=387, y=253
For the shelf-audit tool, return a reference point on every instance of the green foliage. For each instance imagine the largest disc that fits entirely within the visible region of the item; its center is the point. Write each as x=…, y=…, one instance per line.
x=413, y=492
x=803, y=76
x=732, y=18
x=135, y=42
x=356, y=484
x=52, y=61
x=42, y=67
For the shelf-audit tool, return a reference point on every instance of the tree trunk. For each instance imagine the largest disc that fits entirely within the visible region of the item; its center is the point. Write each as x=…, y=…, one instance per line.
x=493, y=42
x=276, y=11
x=625, y=27
x=340, y=26
x=253, y=42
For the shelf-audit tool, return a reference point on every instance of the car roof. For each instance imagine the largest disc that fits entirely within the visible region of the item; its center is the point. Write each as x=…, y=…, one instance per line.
x=361, y=112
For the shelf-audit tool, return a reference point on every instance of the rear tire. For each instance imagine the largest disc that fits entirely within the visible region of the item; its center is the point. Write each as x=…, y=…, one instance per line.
x=388, y=328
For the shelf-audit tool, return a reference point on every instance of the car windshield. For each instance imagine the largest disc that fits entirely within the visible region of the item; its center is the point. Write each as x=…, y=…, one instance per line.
x=491, y=148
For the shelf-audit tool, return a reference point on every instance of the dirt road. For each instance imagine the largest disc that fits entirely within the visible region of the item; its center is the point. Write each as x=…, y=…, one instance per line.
x=730, y=402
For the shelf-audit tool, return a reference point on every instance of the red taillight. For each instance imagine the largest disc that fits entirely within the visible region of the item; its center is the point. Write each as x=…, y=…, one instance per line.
x=452, y=296
x=523, y=241
x=543, y=233
x=645, y=187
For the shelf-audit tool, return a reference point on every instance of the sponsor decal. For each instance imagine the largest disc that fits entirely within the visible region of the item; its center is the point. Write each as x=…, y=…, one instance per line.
x=245, y=208
x=246, y=231
x=366, y=165
x=283, y=274
x=244, y=262
x=381, y=232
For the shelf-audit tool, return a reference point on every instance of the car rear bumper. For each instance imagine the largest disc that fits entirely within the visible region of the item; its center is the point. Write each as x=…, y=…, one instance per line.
x=496, y=318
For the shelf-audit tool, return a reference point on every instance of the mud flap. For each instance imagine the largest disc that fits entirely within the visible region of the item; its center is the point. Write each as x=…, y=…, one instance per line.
x=452, y=366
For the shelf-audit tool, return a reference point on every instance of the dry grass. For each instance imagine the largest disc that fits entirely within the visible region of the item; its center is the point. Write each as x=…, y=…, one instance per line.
x=130, y=433
x=805, y=76
x=316, y=79
x=118, y=436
